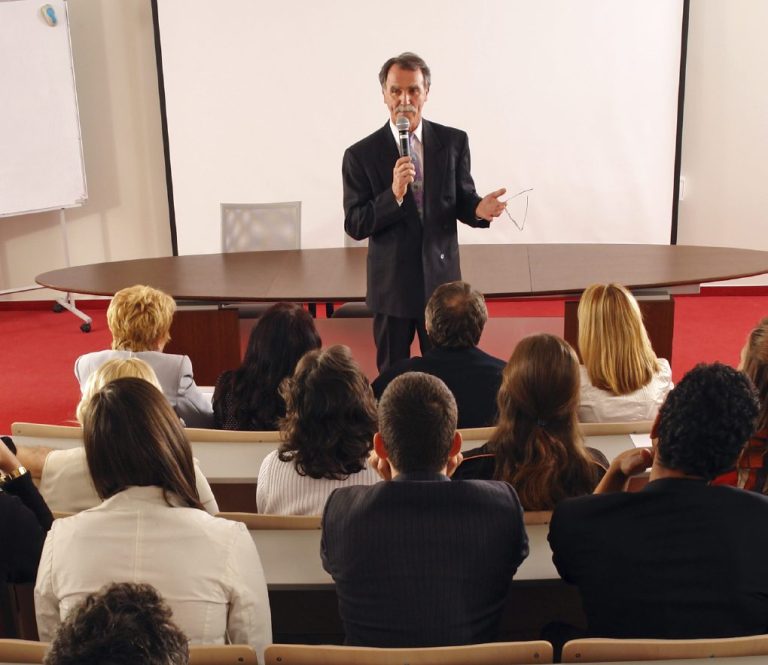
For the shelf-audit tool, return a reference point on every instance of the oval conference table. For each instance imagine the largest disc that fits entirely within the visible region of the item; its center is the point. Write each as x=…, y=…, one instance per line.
x=338, y=274
x=211, y=337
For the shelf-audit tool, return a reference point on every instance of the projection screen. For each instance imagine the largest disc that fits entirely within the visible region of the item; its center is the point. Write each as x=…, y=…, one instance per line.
x=576, y=100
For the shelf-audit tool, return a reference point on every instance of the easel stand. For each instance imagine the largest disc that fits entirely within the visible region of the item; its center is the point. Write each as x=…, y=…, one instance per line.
x=68, y=301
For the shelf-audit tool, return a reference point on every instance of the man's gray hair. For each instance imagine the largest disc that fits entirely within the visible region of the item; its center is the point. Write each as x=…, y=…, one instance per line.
x=455, y=316
x=409, y=61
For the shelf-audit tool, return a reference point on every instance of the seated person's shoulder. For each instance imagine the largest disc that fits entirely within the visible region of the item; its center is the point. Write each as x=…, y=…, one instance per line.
x=391, y=373
x=478, y=463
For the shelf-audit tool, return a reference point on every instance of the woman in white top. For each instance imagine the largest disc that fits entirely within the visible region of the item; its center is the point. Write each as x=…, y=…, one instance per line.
x=621, y=378
x=327, y=434
x=151, y=528
x=63, y=475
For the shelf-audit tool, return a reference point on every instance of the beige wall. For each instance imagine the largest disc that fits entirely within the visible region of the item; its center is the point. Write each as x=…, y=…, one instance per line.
x=725, y=141
x=725, y=130
x=126, y=215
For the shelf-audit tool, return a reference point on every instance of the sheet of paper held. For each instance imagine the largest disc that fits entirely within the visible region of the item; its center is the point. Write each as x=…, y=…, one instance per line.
x=641, y=440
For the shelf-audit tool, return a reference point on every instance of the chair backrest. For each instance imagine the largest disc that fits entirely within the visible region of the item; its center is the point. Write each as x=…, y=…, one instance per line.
x=22, y=651
x=255, y=521
x=603, y=650
x=498, y=653
x=196, y=435
x=534, y=517
x=225, y=455
x=473, y=437
x=37, y=430
x=222, y=654
x=247, y=227
x=605, y=429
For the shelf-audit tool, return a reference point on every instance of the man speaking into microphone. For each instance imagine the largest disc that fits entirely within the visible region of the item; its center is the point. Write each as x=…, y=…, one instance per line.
x=405, y=186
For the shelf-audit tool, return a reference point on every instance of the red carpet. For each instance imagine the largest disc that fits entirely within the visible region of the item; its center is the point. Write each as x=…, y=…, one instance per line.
x=38, y=348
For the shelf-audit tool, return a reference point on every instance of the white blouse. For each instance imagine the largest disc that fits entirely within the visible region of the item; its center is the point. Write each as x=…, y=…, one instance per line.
x=206, y=568
x=280, y=489
x=67, y=487
x=601, y=406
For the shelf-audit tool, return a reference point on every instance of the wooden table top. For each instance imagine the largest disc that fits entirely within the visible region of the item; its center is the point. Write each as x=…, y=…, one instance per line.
x=338, y=274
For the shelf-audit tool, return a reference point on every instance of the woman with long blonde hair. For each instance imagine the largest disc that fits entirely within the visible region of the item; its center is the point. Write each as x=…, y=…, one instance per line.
x=621, y=378
x=537, y=446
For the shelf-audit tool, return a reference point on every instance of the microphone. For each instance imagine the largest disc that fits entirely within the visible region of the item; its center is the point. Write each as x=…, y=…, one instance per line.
x=403, y=145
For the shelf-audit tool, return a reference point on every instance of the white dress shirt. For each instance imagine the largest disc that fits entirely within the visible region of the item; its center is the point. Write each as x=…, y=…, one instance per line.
x=66, y=484
x=601, y=406
x=280, y=489
x=206, y=568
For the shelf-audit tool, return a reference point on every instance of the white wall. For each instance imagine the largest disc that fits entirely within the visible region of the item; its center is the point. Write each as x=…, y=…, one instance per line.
x=724, y=145
x=725, y=131
x=126, y=215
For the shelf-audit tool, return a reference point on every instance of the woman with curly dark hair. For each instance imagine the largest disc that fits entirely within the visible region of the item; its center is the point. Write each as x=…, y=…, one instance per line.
x=247, y=398
x=327, y=434
x=537, y=446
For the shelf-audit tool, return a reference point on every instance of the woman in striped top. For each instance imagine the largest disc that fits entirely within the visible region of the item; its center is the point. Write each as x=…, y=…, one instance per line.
x=327, y=434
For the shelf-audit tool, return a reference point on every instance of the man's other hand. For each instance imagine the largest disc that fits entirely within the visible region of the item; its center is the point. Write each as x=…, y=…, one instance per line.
x=490, y=206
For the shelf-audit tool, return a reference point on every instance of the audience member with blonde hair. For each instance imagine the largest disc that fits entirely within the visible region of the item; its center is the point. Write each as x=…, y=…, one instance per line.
x=536, y=446
x=151, y=528
x=64, y=479
x=751, y=470
x=139, y=318
x=327, y=434
x=621, y=379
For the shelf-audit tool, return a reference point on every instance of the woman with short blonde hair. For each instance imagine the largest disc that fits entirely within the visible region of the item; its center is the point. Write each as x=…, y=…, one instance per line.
x=621, y=378
x=139, y=318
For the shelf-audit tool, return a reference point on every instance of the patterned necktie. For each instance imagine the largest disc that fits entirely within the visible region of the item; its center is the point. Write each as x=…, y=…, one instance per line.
x=417, y=186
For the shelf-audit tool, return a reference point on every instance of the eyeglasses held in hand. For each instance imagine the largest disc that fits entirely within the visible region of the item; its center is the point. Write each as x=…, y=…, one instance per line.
x=522, y=192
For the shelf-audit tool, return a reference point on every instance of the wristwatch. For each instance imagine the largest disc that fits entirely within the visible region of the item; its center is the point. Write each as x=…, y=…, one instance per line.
x=16, y=473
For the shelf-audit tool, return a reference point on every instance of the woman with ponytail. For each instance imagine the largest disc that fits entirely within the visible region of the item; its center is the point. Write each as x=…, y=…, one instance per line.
x=537, y=446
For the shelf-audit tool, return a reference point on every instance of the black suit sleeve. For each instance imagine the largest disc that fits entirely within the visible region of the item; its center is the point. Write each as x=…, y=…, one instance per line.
x=466, y=195
x=366, y=212
x=25, y=522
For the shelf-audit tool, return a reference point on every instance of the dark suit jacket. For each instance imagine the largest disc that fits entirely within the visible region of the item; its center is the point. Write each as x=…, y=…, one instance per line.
x=421, y=560
x=24, y=522
x=407, y=260
x=679, y=559
x=472, y=375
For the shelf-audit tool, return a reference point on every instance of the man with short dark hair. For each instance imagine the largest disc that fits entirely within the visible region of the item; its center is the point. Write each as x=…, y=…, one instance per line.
x=455, y=317
x=123, y=624
x=679, y=559
x=420, y=560
x=407, y=207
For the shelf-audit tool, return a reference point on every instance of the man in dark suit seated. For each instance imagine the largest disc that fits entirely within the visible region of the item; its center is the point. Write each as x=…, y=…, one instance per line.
x=679, y=559
x=455, y=317
x=420, y=560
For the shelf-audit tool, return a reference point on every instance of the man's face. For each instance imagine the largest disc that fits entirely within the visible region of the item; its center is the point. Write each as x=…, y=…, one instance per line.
x=405, y=94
